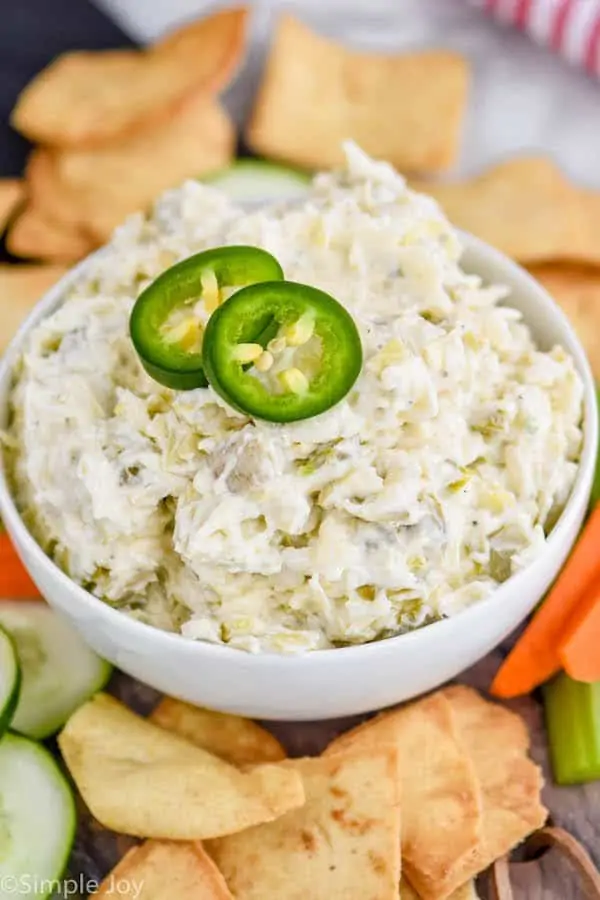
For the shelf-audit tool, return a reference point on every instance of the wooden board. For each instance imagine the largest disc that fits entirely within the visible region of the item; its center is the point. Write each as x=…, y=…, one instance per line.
x=547, y=878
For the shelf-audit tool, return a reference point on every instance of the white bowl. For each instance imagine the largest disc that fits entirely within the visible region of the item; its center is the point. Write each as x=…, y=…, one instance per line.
x=324, y=683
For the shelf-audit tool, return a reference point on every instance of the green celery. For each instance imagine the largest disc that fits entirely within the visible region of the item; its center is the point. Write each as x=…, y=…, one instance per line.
x=573, y=725
x=573, y=713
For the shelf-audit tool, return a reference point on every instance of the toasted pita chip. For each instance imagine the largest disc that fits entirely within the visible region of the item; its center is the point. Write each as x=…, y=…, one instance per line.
x=164, y=870
x=441, y=799
x=86, y=98
x=46, y=194
x=11, y=192
x=524, y=207
x=407, y=892
x=589, y=202
x=20, y=289
x=342, y=845
x=141, y=780
x=73, y=101
x=466, y=892
x=577, y=291
x=238, y=741
x=213, y=47
x=97, y=189
x=36, y=236
x=316, y=93
x=511, y=784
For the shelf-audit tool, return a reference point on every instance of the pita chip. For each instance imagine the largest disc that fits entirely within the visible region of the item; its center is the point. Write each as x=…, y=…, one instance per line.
x=238, y=741
x=511, y=784
x=85, y=98
x=589, y=202
x=316, y=93
x=37, y=236
x=98, y=188
x=139, y=779
x=576, y=289
x=47, y=195
x=465, y=892
x=11, y=192
x=163, y=870
x=441, y=798
x=524, y=206
x=20, y=289
x=344, y=844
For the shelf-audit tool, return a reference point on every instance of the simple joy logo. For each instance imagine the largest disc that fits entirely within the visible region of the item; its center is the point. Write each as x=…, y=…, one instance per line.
x=31, y=886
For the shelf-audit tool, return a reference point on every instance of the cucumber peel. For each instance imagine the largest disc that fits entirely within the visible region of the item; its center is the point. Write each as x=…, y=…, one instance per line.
x=256, y=180
x=59, y=671
x=37, y=818
x=10, y=680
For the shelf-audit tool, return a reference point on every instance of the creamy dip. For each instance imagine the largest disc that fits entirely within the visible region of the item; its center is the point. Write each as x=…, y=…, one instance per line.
x=435, y=479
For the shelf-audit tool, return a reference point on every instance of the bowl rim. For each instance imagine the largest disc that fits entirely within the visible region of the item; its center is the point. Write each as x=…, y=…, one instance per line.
x=144, y=632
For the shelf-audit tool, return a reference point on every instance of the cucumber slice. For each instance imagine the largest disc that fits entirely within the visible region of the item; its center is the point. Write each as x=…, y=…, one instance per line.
x=254, y=180
x=37, y=819
x=10, y=680
x=59, y=671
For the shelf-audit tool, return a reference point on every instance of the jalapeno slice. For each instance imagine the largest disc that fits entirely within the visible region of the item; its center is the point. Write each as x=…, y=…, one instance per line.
x=169, y=317
x=306, y=368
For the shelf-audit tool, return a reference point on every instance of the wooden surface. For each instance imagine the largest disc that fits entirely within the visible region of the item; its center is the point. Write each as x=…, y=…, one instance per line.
x=547, y=878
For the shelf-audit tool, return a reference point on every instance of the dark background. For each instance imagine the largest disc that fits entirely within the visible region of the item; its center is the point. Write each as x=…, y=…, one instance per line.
x=33, y=32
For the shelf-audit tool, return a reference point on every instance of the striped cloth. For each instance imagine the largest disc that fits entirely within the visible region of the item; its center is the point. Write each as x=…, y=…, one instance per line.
x=569, y=27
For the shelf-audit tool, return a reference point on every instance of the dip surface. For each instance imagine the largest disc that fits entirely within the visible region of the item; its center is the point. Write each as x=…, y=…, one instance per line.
x=435, y=479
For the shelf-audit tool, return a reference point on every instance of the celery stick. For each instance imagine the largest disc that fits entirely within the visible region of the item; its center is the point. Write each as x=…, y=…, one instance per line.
x=573, y=725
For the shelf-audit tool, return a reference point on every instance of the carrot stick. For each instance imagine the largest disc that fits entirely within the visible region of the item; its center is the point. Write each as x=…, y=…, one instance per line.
x=15, y=583
x=535, y=656
x=579, y=650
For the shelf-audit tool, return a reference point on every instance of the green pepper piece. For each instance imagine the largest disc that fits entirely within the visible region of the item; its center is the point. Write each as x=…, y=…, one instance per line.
x=573, y=725
x=304, y=316
x=170, y=352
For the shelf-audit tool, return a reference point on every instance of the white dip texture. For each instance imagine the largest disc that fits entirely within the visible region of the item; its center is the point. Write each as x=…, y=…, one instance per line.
x=436, y=478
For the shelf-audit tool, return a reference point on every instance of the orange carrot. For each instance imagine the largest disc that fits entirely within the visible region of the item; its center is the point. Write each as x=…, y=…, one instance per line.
x=15, y=583
x=535, y=656
x=579, y=650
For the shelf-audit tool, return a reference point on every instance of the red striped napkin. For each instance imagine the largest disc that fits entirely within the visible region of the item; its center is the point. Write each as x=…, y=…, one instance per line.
x=570, y=27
